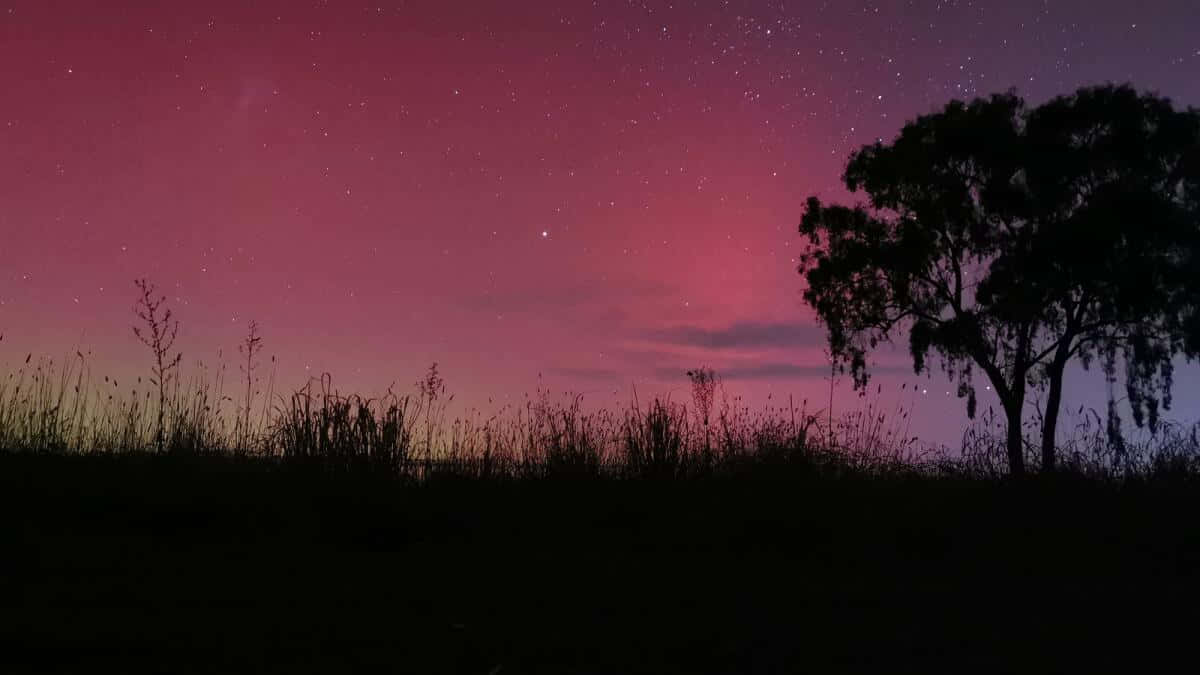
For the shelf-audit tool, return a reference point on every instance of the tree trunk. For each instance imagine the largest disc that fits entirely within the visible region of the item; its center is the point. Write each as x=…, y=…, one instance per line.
x=1015, y=446
x=1050, y=423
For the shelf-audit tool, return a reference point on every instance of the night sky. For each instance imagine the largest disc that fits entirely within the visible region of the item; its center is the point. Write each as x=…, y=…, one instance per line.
x=603, y=193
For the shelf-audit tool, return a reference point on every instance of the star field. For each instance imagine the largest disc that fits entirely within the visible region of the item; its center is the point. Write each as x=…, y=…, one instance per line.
x=604, y=192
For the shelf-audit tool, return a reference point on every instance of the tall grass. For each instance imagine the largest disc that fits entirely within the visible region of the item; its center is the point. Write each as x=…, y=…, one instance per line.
x=320, y=425
x=49, y=406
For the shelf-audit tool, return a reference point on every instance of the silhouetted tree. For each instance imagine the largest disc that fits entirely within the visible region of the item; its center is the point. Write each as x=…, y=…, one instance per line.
x=1010, y=240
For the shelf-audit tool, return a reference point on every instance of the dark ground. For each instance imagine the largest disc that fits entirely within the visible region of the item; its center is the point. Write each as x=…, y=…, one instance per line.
x=189, y=566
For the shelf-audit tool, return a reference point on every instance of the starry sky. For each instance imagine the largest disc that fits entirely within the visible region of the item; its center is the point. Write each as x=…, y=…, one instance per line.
x=600, y=194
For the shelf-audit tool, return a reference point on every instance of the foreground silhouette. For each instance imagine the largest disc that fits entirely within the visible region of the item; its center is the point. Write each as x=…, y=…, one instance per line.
x=1010, y=240
x=188, y=565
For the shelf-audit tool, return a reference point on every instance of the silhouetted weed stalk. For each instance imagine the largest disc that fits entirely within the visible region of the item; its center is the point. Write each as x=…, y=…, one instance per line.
x=157, y=330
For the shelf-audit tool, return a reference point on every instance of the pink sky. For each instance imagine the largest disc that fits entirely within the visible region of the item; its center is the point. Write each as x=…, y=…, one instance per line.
x=601, y=195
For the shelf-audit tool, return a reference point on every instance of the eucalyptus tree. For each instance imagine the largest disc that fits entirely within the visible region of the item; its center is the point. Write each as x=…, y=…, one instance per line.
x=1009, y=240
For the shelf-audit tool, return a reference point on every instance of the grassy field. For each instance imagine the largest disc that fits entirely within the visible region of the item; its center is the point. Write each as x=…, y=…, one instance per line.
x=339, y=534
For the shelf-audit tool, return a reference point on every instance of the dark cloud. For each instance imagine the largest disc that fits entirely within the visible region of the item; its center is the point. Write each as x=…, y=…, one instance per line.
x=777, y=370
x=746, y=335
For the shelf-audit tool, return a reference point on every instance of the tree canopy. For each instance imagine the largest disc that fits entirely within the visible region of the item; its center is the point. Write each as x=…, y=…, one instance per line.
x=1007, y=240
